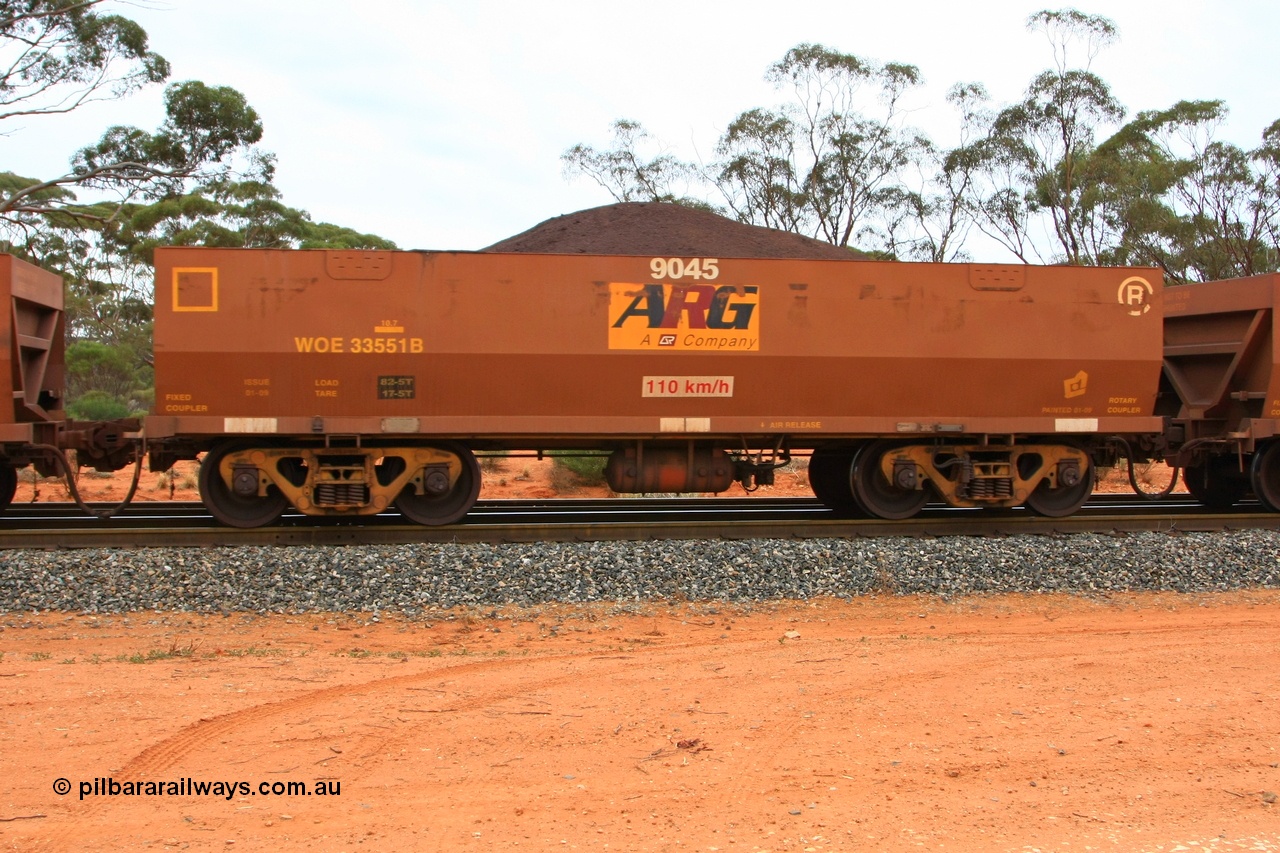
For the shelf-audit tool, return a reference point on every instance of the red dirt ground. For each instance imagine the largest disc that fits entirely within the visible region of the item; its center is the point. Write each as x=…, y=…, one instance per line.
x=1131, y=723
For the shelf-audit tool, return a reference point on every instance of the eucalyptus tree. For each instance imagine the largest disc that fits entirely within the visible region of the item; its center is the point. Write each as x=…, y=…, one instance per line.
x=1036, y=182
x=635, y=168
x=930, y=217
x=1178, y=197
x=758, y=171
x=196, y=178
x=1057, y=176
x=829, y=160
x=56, y=56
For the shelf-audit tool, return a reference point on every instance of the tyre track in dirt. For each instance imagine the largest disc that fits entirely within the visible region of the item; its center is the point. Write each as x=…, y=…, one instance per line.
x=886, y=727
x=165, y=754
x=153, y=761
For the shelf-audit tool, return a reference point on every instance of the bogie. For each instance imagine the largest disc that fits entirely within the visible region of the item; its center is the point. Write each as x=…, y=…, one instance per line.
x=249, y=485
x=894, y=480
x=884, y=482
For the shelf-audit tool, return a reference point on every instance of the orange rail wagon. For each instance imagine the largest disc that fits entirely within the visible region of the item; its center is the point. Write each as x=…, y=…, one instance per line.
x=34, y=430
x=344, y=382
x=1221, y=388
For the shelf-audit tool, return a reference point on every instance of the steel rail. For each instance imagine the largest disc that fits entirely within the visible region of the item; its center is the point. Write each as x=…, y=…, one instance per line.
x=160, y=524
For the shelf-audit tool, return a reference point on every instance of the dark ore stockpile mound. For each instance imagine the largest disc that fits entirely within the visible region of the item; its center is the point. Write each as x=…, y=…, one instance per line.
x=656, y=228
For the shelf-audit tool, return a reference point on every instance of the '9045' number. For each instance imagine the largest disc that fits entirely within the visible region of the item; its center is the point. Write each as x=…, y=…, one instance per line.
x=694, y=268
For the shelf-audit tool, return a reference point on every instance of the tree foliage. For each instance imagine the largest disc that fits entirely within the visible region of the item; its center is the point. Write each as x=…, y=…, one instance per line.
x=196, y=179
x=1058, y=176
x=244, y=213
x=929, y=219
x=627, y=171
x=758, y=171
x=829, y=159
x=59, y=55
x=1196, y=206
x=104, y=381
x=1034, y=162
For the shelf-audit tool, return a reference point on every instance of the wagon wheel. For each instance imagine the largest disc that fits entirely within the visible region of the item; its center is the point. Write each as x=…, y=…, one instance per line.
x=1063, y=500
x=1138, y=475
x=874, y=493
x=448, y=507
x=1265, y=476
x=1215, y=483
x=228, y=507
x=829, y=477
x=8, y=485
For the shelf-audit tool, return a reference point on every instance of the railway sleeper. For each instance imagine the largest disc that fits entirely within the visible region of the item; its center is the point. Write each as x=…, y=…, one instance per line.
x=1051, y=479
x=429, y=484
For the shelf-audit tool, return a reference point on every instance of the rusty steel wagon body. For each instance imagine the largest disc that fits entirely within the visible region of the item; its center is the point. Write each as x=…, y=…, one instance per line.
x=32, y=376
x=342, y=383
x=1221, y=388
x=34, y=430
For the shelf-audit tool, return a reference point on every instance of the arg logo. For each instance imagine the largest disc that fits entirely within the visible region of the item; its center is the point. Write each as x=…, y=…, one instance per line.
x=684, y=317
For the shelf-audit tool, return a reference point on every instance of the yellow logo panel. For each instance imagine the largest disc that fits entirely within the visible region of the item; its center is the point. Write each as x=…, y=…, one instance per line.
x=701, y=317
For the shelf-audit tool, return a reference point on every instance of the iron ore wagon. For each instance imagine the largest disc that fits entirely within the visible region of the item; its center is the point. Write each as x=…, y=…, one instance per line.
x=341, y=383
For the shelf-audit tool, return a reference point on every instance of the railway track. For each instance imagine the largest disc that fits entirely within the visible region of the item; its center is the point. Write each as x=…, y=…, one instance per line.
x=174, y=524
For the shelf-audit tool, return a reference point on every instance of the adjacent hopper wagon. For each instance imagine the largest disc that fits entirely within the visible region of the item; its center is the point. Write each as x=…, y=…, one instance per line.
x=31, y=377
x=1221, y=388
x=34, y=429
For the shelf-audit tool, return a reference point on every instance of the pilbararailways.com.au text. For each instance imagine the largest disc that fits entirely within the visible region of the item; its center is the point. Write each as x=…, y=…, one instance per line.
x=188, y=787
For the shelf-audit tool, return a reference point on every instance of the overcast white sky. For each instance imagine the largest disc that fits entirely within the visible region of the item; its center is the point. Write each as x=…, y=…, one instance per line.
x=440, y=125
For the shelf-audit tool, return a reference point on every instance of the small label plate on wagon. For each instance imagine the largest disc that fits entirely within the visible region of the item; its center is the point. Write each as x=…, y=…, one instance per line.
x=686, y=386
x=396, y=387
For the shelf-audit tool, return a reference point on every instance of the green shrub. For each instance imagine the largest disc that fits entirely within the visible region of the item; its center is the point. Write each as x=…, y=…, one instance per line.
x=98, y=406
x=588, y=469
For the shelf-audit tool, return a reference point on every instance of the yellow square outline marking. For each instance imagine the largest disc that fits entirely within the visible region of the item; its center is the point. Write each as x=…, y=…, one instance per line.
x=213, y=273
